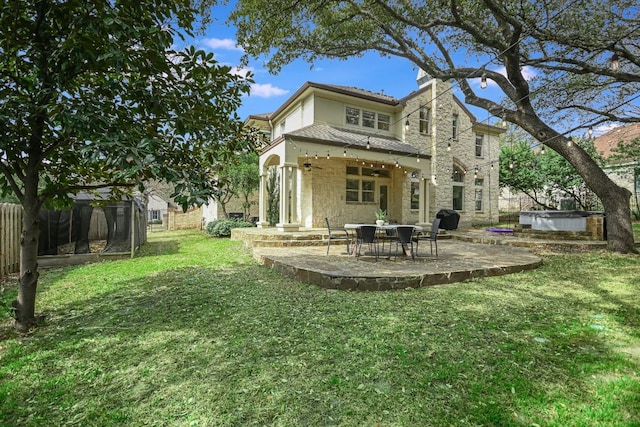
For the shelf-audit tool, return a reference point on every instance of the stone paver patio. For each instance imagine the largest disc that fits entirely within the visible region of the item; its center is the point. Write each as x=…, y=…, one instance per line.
x=462, y=256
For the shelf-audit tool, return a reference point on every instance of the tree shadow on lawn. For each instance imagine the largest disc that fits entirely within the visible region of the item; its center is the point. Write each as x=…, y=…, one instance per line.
x=243, y=345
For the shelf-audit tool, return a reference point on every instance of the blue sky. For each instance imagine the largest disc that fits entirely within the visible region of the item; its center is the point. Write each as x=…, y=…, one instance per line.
x=393, y=76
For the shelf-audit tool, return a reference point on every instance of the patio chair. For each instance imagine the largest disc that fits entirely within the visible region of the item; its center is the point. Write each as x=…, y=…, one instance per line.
x=404, y=237
x=333, y=236
x=367, y=234
x=431, y=236
x=388, y=235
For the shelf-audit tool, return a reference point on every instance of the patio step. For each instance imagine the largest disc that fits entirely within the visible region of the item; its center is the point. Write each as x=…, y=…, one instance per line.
x=282, y=243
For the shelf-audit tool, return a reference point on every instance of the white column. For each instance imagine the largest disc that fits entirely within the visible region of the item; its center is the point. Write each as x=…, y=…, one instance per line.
x=288, y=199
x=262, y=202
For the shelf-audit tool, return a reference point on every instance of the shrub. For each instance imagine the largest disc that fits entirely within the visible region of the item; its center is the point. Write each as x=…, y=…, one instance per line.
x=222, y=227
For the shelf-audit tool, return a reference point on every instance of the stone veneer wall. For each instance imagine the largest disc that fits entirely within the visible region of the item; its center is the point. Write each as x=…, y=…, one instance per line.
x=328, y=188
x=178, y=220
x=462, y=149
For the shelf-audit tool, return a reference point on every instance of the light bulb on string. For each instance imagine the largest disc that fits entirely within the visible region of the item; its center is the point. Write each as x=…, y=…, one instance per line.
x=418, y=158
x=483, y=80
x=328, y=156
x=316, y=156
x=368, y=144
x=542, y=150
x=407, y=124
x=449, y=145
x=615, y=62
x=344, y=153
x=590, y=131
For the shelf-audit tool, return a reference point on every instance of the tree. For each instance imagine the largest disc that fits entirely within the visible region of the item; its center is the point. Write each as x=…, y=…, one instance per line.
x=625, y=161
x=240, y=179
x=93, y=95
x=246, y=179
x=583, y=55
x=544, y=175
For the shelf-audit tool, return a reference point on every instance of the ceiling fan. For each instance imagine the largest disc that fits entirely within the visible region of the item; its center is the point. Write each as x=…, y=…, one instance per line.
x=308, y=166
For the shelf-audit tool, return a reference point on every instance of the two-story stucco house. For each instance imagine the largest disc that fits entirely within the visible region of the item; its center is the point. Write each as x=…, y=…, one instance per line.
x=344, y=152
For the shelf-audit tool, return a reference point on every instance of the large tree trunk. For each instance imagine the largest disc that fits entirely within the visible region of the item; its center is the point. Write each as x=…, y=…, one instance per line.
x=618, y=220
x=615, y=199
x=25, y=304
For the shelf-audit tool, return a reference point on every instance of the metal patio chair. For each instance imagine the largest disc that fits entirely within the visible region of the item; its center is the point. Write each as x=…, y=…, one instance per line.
x=431, y=236
x=339, y=237
x=404, y=237
x=367, y=234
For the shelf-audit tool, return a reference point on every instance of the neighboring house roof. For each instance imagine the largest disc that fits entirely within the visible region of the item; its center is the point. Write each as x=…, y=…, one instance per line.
x=609, y=141
x=331, y=135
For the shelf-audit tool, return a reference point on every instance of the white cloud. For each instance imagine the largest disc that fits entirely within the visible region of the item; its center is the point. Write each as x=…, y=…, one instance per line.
x=266, y=90
x=225, y=44
x=242, y=71
x=527, y=72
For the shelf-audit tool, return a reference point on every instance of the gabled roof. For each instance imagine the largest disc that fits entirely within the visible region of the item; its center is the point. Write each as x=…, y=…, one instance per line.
x=332, y=135
x=609, y=141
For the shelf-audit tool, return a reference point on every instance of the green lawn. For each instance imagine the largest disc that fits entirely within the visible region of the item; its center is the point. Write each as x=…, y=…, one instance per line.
x=193, y=332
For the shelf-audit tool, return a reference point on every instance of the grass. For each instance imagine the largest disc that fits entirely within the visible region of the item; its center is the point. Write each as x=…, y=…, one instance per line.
x=194, y=333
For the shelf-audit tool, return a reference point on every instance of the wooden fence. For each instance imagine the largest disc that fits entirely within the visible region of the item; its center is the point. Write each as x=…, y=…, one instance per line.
x=10, y=229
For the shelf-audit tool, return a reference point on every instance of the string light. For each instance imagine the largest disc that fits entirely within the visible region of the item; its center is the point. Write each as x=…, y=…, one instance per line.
x=418, y=158
x=615, y=62
x=328, y=156
x=449, y=145
x=407, y=124
x=590, y=131
x=368, y=144
x=316, y=156
x=483, y=80
x=344, y=153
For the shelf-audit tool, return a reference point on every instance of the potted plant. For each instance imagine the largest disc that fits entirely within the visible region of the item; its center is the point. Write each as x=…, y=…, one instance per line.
x=381, y=216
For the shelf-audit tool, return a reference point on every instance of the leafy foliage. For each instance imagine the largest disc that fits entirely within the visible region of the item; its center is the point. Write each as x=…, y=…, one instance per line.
x=223, y=227
x=543, y=175
x=94, y=95
x=240, y=178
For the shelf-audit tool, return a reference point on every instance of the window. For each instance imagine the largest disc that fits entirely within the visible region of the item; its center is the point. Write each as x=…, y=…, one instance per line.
x=361, y=186
x=368, y=119
x=353, y=190
x=353, y=116
x=154, y=215
x=479, y=144
x=458, y=188
x=368, y=190
x=454, y=127
x=283, y=125
x=425, y=120
x=479, y=185
x=415, y=194
x=384, y=121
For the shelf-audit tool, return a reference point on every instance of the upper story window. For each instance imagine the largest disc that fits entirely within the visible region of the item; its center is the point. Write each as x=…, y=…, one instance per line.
x=353, y=116
x=425, y=120
x=368, y=119
x=454, y=127
x=283, y=125
x=479, y=144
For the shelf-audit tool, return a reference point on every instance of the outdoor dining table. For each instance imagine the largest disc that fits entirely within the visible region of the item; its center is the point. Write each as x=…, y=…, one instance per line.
x=383, y=227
